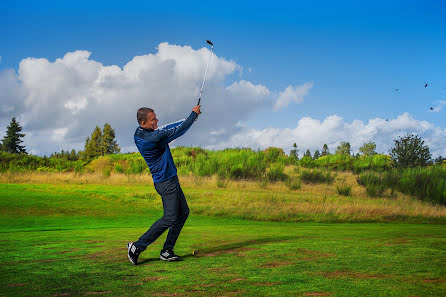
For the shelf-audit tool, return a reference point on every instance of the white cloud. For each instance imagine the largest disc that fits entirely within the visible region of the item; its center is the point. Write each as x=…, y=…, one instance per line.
x=292, y=94
x=59, y=103
x=78, y=93
x=313, y=134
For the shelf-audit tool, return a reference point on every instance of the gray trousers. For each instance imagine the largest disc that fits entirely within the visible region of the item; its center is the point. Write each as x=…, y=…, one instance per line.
x=175, y=215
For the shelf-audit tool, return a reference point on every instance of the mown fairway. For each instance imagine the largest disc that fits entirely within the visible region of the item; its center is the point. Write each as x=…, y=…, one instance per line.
x=70, y=240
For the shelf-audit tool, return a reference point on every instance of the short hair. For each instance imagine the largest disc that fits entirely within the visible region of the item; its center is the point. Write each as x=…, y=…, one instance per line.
x=141, y=115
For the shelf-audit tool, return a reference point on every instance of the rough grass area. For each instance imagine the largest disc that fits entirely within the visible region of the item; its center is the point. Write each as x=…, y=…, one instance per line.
x=70, y=240
x=242, y=199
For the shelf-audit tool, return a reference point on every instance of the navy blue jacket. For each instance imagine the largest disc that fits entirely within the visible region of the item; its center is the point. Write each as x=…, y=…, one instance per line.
x=154, y=147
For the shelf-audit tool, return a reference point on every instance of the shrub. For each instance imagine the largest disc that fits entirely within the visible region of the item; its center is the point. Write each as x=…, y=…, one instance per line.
x=344, y=190
x=293, y=183
x=316, y=176
x=275, y=173
x=373, y=183
x=222, y=182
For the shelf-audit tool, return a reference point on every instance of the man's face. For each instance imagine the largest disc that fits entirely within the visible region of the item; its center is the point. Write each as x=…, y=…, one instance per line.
x=151, y=122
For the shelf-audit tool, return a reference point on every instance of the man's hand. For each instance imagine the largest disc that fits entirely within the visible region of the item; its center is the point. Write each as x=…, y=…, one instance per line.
x=197, y=109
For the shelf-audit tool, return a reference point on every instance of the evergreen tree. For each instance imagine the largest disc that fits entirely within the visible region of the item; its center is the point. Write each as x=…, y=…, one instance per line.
x=368, y=149
x=410, y=151
x=93, y=145
x=325, y=150
x=73, y=156
x=316, y=155
x=294, y=152
x=11, y=141
x=308, y=154
x=343, y=148
x=109, y=145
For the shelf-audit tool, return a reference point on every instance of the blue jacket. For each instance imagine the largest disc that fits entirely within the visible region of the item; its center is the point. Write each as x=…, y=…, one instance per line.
x=154, y=147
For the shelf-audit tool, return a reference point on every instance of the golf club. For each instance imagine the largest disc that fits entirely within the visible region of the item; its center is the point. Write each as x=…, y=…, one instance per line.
x=206, y=72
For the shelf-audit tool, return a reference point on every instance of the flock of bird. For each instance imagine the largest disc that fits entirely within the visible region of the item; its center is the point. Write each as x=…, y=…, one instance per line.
x=425, y=85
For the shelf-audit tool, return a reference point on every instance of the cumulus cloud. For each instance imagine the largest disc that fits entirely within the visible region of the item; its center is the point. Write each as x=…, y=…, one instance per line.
x=292, y=94
x=60, y=102
x=313, y=134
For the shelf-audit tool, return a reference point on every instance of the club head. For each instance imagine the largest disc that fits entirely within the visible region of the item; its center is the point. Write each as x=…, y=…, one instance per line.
x=209, y=42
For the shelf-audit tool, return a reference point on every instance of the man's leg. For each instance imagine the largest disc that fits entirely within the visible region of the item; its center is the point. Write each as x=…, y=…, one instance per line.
x=169, y=193
x=183, y=212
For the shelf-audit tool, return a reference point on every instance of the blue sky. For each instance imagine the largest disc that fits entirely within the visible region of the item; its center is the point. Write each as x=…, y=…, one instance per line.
x=355, y=53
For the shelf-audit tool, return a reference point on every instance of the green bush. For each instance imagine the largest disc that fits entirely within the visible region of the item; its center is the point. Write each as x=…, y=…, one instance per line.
x=374, y=185
x=344, y=190
x=293, y=183
x=317, y=176
x=275, y=173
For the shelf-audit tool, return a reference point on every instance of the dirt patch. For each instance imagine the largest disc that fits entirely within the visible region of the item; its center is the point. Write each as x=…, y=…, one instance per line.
x=237, y=279
x=16, y=285
x=266, y=284
x=98, y=293
x=61, y=294
x=236, y=251
x=313, y=255
x=352, y=274
x=217, y=269
x=68, y=251
x=167, y=294
x=276, y=264
x=397, y=241
x=154, y=278
x=435, y=280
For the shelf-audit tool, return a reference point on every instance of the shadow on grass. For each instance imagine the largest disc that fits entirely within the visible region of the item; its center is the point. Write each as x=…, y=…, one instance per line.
x=234, y=246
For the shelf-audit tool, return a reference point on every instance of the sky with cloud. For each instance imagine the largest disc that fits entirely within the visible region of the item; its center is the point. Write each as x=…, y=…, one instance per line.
x=280, y=74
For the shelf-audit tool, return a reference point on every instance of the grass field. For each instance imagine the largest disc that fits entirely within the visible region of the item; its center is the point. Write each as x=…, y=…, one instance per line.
x=63, y=236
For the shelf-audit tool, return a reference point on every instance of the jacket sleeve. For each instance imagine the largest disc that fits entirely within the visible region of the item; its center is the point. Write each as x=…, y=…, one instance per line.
x=172, y=125
x=169, y=134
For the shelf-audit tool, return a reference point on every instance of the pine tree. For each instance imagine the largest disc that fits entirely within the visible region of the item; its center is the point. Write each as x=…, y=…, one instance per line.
x=325, y=150
x=11, y=142
x=73, y=156
x=109, y=145
x=316, y=155
x=307, y=154
x=294, y=152
x=93, y=145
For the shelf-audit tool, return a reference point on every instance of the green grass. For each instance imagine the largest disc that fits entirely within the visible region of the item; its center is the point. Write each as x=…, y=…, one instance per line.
x=70, y=240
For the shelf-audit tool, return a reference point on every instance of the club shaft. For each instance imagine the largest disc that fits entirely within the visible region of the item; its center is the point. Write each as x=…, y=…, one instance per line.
x=205, y=74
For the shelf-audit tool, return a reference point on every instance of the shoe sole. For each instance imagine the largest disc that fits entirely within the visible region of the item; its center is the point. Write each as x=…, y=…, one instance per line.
x=128, y=254
x=173, y=259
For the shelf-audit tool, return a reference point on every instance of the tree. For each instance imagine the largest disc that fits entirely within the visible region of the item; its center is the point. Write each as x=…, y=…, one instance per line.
x=109, y=145
x=440, y=160
x=294, y=152
x=343, y=148
x=316, y=155
x=410, y=151
x=308, y=154
x=93, y=145
x=368, y=149
x=325, y=150
x=11, y=142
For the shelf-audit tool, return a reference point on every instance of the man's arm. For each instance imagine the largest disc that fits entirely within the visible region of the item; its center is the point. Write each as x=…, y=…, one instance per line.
x=167, y=135
x=172, y=125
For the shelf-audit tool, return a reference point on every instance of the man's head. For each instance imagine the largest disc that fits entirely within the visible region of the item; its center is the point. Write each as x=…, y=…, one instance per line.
x=147, y=118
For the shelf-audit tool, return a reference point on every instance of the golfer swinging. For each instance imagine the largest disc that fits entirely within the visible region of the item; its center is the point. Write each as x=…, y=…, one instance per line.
x=153, y=144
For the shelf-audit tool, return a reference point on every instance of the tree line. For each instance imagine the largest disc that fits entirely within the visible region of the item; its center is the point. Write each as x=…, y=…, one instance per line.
x=99, y=143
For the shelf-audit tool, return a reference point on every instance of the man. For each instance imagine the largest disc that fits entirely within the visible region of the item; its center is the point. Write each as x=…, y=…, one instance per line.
x=153, y=144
